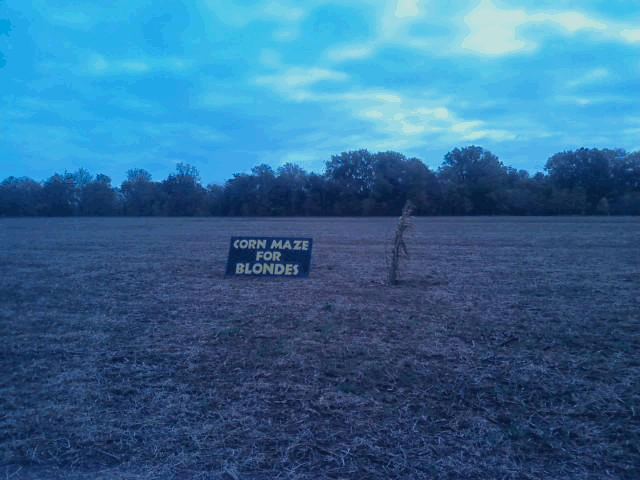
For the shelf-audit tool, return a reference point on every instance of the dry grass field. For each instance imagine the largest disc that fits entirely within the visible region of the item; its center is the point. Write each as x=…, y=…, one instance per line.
x=509, y=350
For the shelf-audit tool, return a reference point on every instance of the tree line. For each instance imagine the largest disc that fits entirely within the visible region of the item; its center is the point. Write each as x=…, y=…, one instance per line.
x=470, y=181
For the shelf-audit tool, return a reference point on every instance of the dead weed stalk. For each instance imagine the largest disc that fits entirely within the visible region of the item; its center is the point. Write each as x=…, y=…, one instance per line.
x=399, y=247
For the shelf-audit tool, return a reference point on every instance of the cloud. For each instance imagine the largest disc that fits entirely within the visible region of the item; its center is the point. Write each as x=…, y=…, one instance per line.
x=286, y=16
x=354, y=52
x=219, y=98
x=286, y=34
x=407, y=8
x=291, y=82
x=403, y=119
x=491, y=134
x=67, y=109
x=133, y=102
x=593, y=76
x=572, y=21
x=439, y=112
x=463, y=126
x=631, y=35
x=395, y=18
x=97, y=64
x=374, y=114
x=304, y=158
x=493, y=30
x=371, y=95
x=595, y=99
x=283, y=12
x=74, y=19
x=208, y=135
x=270, y=58
x=389, y=97
x=410, y=129
x=82, y=16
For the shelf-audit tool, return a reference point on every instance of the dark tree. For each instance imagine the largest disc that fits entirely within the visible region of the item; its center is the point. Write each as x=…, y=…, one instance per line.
x=182, y=194
x=470, y=181
x=19, y=197
x=98, y=197
x=237, y=195
x=585, y=168
x=138, y=174
x=57, y=196
x=316, y=202
x=352, y=179
x=472, y=177
x=215, y=200
x=82, y=177
x=261, y=195
x=391, y=182
x=288, y=193
x=423, y=188
x=140, y=194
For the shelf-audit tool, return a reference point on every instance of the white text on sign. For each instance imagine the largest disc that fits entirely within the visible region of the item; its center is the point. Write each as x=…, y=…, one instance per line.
x=300, y=245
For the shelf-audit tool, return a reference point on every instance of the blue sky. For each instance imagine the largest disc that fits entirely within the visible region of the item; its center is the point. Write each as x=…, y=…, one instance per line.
x=111, y=85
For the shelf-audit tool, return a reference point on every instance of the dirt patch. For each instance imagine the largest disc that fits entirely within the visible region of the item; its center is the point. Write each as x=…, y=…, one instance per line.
x=509, y=349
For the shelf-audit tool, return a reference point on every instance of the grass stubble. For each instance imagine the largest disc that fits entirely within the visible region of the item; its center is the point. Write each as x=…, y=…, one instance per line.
x=508, y=350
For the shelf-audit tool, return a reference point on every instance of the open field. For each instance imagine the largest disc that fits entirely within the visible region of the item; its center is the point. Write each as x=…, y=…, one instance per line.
x=510, y=350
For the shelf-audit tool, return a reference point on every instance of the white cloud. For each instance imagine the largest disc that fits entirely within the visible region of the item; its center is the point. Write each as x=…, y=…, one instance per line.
x=592, y=76
x=596, y=99
x=407, y=8
x=374, y=114
x=493, y=30
x=391, y=98
x=286, y=16
x=170, y=134
x=283, y=12
x=399, y=120
x=349, y=53
x=70, y=109
x=395, y=18
x=73, y=19
x=411, y=129
x=300, y=76
x=132, y=102
x=97, y=64
x=462, y=126
x=205, y=134
x=303, y=158
x=214, y=98
x=286, y=34
x=492, y=134
x=395, y=144
x=135, y=66
x=631, y=35
x=572, y=21
x=270, y=58
x=439, y=112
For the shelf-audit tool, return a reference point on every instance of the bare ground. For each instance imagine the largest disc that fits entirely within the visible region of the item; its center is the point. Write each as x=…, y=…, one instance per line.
x=510, y=350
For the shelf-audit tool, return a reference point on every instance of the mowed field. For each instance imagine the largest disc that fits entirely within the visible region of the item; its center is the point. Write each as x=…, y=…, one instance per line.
x=510, y=350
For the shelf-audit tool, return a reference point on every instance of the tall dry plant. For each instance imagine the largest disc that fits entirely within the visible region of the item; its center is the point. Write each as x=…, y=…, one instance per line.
x=399, y=247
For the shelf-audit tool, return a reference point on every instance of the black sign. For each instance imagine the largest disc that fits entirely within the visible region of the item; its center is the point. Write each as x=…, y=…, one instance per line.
x=269, y=257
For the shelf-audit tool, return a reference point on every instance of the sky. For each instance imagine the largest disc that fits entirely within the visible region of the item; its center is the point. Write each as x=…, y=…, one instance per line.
x=112, y=85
